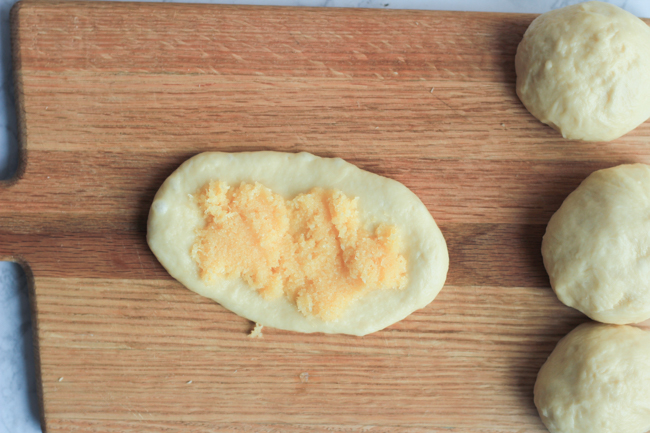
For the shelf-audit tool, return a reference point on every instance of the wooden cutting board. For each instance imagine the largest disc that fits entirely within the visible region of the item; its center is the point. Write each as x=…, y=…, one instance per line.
x=114, y=96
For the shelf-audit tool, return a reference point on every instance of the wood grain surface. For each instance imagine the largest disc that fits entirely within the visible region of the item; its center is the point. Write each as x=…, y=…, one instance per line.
x=114, y=96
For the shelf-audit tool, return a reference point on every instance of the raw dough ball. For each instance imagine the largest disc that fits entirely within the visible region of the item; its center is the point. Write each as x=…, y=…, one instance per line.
x=597, y=380
x=584, y=70
x=597, y=246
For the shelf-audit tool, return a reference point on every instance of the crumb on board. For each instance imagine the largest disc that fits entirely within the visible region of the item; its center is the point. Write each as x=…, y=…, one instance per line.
x=304, y=377
x=256, y=332
x=60, y=379
x=189, y=382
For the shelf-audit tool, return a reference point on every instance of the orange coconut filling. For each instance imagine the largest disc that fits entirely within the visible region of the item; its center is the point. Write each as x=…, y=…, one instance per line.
x=311, y=249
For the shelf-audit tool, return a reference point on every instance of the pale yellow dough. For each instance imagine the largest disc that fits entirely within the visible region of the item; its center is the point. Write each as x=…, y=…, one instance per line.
x=597, y=380
x=175, y=217
x=597, y=246
x=584, y=70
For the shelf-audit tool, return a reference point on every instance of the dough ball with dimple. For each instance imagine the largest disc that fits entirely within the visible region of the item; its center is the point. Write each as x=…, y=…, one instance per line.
x=597, y=246
x=597, y=380
x=584, y=70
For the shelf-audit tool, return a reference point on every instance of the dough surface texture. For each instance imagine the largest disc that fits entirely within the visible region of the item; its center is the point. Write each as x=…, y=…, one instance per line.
x=597, y=380
x=175, y=219
x=596, y=248
x=584, y=69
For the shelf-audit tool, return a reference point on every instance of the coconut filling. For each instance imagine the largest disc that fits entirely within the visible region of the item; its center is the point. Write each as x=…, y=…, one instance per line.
x=311, y=249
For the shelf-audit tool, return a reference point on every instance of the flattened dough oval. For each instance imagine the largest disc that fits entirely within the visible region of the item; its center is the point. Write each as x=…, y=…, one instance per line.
x=175, y=217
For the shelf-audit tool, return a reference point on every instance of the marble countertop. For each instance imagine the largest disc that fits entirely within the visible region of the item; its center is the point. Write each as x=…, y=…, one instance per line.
x=19, y=412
